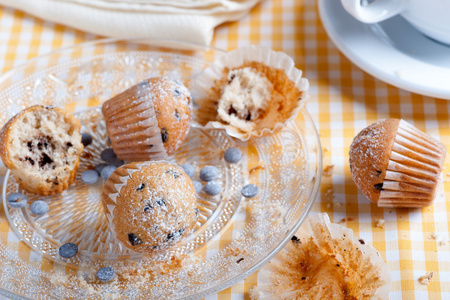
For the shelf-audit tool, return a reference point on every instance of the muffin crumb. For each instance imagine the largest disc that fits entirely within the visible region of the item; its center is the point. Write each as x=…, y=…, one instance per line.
x=425, y=279
x=379, y=223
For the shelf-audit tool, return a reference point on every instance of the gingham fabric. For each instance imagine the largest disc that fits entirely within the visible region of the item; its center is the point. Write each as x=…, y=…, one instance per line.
x=344, y=100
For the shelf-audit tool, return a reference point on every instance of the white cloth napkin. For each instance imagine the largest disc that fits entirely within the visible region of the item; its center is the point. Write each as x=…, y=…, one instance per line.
x=184, y=20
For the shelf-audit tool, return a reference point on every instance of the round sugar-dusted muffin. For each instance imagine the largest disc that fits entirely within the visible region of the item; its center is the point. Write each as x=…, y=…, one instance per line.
x=149, y=120
x=395, y=164
x=151, y=205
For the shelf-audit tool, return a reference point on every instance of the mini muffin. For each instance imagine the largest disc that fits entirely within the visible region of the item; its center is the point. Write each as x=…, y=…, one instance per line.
x=42, y=146
x=324, y=261
x=251, y=91
x=150, y=120
x=151, y=205
x=396, y=165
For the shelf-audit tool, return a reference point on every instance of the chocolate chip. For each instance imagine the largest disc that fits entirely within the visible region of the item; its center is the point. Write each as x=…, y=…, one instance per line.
x=337, y=265
x=197, y=185
x=45, y=159
x=16, y=200
x=177, y=115
x=362, y=241
x=99, y=168
x=249, y=190
x=147, y=208
x=164, y=135
x=232, y=111
x=209, y=173
x=89, y=176
x=177, y=93
x=196, y=212
x=232, y=155
x=69, y=144
x=68, y=250
x=39, y=207
x=188, y=169
x=160, y=201
x=30, y=145
x=134, y=240
x=173, y=173
x=212, y=188
x=140, y=187
x=379, y=173
x=378, y=186
x=175, y=235
x=107, y=171
x=249, y=117
x=303, y=278
x=231, y=78
x=86, y=139
x=29, y=160
x=105, y=274
x=295, y=239
x=239, y=260
x=108, y=154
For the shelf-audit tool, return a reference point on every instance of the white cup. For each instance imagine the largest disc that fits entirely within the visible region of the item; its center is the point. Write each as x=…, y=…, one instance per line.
x=431, y=17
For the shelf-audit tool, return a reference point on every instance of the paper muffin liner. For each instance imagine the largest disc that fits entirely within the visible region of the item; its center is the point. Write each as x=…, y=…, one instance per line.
x=205, y=84
x=365, y=272
x=414, y=169
x=132, y=125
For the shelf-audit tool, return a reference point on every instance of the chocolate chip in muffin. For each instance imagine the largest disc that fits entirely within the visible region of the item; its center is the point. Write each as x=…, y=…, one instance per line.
x=232, y=111
x=31, y=161
x=175, y=235
x=148, y=207
x=378, y=186
x=173, y=173
x=45, y=159
x=164, y=135
x=160, y=202
x=140, y=187
x=134, y=240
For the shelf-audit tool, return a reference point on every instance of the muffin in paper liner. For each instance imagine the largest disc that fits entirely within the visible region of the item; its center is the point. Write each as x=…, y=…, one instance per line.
x=324, y=261
x=150, y=120
x=150, y=206
x=272, y=76
x=397, y=165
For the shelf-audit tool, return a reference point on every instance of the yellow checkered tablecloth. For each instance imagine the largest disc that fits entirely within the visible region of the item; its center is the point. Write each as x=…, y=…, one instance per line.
x=344, y=99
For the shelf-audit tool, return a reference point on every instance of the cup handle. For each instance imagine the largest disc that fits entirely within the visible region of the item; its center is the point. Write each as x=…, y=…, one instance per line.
x=377, y=11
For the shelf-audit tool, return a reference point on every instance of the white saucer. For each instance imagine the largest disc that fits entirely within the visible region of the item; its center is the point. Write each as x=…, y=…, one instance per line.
x=392, y=51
